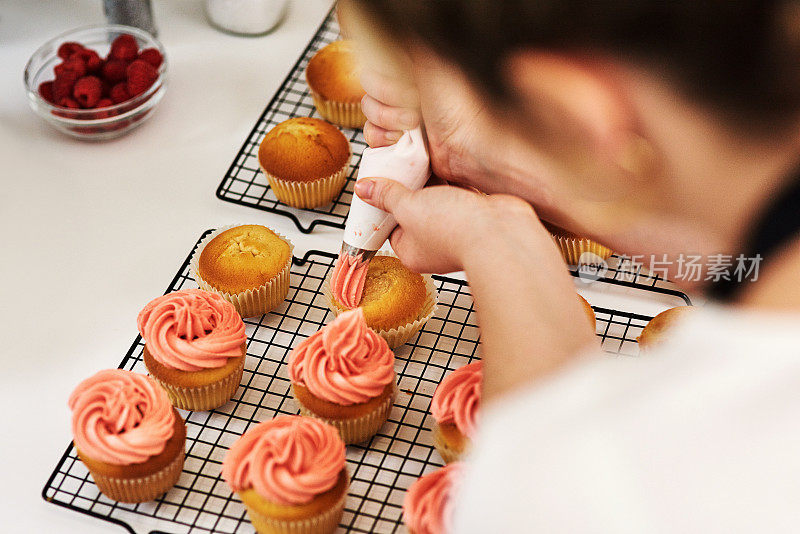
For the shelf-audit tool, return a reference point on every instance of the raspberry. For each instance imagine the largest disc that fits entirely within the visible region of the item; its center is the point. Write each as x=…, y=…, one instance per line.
x=90, y=58
x=46, y=91
x=141, y=76
x=152, y=56
x=68, y=102
x=88, y=91
x=68, y=48
x=74, y=64
x=119, y=93
x=62, y=85
x=104, y=103
x=124, y=47
x=113, y=71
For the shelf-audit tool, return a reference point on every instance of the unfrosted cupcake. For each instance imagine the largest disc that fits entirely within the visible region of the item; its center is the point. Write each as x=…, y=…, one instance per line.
x=655, y=332
x=455, y=407
x=333, y=78
x=428, y=505
x=128, y=434
x=305, y=161
x=195, y=347
x=396, y=301
x=589, y=312
x=344, y=374
x=290, y=474
x=573, y=246
x=249, y=265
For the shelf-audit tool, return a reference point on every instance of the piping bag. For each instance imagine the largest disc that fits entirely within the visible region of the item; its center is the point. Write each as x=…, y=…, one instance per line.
x=367, y=227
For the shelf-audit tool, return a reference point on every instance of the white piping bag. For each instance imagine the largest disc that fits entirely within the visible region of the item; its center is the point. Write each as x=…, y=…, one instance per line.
x=407, y=161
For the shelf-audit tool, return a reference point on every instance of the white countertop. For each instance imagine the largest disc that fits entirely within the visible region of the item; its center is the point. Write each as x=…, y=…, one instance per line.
x=94, y=231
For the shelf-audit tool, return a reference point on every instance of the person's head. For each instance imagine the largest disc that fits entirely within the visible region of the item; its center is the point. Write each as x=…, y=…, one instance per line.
x=656, y=106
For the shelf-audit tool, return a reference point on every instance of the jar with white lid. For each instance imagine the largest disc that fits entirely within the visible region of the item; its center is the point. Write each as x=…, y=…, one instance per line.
x=246, y=17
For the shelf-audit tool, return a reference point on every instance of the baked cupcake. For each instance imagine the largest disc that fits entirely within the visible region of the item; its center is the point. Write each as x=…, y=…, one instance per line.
x=248, y=265
x=128, y=434
x=428, y=505
x=195, y=346
x=655, y=332
x=573, y=246
x=589, y=312
x=454, y=407
x=333, y=78
x=396, y=301
x=305, y=161
x=290, y=474
x=344, y=375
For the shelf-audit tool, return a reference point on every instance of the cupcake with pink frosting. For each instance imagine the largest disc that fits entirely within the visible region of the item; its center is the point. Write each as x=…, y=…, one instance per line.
x=290, y=474
x=195, y=347
x=427, y=507
x=454, y=407
x=344, y=374
x=128, y=434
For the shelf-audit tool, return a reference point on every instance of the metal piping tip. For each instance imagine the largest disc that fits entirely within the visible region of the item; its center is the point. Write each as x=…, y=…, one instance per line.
x=355, y=252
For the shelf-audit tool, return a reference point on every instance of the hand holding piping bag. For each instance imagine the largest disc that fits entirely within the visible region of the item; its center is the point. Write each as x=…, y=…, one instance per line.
x=368, y=227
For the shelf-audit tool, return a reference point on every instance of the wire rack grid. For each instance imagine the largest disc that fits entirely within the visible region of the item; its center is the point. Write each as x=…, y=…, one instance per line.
x=244, y=183
x=381, y=469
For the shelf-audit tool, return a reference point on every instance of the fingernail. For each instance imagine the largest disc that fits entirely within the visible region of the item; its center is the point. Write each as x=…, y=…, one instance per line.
x=364, y=188
x=393, y=135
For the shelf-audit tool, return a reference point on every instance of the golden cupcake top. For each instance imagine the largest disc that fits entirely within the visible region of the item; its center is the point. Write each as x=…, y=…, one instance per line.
x=393, y=294
x=657, y=329
x=333, y=73
x=244, y=257
x=303, y=149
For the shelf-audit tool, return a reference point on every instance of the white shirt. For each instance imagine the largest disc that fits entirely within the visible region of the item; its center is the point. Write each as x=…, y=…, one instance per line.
x=701, y=434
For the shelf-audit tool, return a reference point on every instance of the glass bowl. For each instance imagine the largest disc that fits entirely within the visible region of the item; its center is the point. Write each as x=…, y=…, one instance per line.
x=93, y=124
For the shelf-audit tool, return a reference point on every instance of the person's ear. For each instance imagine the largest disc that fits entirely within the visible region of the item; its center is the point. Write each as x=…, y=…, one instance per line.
x=580, y=111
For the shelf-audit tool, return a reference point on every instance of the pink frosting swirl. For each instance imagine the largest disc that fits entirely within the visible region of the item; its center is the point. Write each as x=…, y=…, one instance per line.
x=288, y=460
x=347, y=280
x=427, y=508
x=192, y=329
x=345, y=362
x=457, y=398
x=120, y=417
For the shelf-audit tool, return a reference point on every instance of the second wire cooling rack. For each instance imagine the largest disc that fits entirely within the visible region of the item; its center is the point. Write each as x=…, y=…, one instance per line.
x=381, y=469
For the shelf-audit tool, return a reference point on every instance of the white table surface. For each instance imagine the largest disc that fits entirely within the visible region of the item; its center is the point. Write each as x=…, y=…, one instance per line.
x=94, y=231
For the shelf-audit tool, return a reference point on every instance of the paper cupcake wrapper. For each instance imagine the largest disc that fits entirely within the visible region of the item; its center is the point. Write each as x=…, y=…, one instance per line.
x=447, y=453
x=206, y=397
x=253, y=302
x=346, y=114
x=573, y=247
x=356, y=430
x=323, y=523
x=308, y=194
x=141, y=489
x=399, y=335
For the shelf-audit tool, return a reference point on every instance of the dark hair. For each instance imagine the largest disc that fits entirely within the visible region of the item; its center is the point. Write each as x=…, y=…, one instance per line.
x=738, y=57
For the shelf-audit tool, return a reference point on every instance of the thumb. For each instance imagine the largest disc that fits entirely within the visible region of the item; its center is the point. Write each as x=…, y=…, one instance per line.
x=382, y=193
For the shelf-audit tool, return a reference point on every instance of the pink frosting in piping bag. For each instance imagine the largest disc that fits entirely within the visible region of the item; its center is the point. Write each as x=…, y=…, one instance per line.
x=458, y=397
x=427, y=507
x=286, y=460
x=120, y=417
x=192, y=330
x=347, y=280
x=345, y=362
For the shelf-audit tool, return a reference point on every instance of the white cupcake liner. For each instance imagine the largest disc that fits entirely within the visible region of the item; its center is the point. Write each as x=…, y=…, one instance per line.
x=309, y=194
x=346, y=114
x=573, y=247
x=447, y=453
x=141, y=489
x=208, y=397
x=253, y=302
x=361, y=428
x=323, y=523
x=401, y=334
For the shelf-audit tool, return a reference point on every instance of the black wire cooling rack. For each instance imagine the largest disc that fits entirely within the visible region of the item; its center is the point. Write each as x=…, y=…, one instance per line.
x=381, y=469
x=244, y=183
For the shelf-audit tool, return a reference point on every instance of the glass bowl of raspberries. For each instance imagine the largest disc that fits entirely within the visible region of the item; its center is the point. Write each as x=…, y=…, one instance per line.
x=97, y=82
